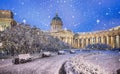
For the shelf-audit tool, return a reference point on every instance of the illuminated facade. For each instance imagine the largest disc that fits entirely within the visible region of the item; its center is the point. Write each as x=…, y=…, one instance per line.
x=110, y=37
x=56, y=24
x=81, y=40
x=6, y=19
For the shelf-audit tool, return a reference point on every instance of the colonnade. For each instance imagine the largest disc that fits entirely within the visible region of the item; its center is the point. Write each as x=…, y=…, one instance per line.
x=68, y=40
x=111, y=38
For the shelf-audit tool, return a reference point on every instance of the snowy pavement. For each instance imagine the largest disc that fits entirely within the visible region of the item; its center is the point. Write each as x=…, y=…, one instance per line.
x=48, y=65
x=51, y=65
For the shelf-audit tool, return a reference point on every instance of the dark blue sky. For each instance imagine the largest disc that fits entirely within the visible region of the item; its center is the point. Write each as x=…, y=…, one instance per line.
x=77, y=15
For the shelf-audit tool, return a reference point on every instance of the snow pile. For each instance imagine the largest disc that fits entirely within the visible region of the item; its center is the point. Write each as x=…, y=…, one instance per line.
x=77, y=65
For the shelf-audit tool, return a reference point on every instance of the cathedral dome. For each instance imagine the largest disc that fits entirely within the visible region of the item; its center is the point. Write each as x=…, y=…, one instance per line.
x=57, y=18
x=56, y=24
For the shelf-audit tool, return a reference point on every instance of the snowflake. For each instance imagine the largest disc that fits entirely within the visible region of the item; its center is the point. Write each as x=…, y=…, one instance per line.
x=109, y=9
x=24, y=21
x=22, y=3
x=119, y=12
x=71, y=6
x=15, y=13
x=99, y=3
x=73, y=16
x=107, y=13
x=104, y=24
x=57, y=1
x=65, y=28
x=98, y=21
x=64, y=1
x=49, y=16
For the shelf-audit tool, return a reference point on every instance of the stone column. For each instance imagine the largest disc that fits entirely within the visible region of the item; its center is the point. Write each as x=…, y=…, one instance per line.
x=112, y=41
x=117, y=41
x=82, y=44
x=91, y=41
x=108, y=42
x=96, y=39
x=78, y=43
x=65, y=39
x=86, y=41
x=102, y=40
x=69, y=41
x=72, y=41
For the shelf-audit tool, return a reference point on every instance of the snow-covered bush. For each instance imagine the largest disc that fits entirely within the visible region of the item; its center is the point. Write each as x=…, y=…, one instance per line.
x=23, y=38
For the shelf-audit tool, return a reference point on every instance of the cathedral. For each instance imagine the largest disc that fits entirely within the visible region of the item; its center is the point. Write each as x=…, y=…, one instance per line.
x=110, y=37
x=57, y=31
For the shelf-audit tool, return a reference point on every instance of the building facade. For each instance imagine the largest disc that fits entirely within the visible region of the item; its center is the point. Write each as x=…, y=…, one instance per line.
x=6, y=19
x=110, y=37
x=58, y=32
x=56, y=24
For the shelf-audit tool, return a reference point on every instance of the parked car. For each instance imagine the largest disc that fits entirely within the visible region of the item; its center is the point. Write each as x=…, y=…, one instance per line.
x=22, y=58
x=46, y=54
x=61, y=52
x=72, y=52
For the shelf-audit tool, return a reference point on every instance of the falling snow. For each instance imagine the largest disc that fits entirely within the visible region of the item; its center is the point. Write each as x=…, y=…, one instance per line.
x=98, y=21
x=77, y=11
x=99, y=3
x=119, y=12
x=22, y=3
x=49, y=16
x=24, y=21
x=107, y=13
x=73, y=16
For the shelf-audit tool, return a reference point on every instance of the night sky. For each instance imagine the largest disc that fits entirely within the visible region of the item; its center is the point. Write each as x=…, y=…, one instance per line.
x=77, y=15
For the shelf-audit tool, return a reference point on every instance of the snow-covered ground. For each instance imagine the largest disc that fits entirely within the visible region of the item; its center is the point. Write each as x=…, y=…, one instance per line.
x=100, y=61
x=95, y=62
x=48, y=65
